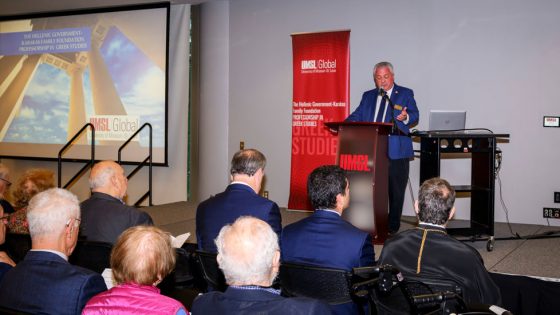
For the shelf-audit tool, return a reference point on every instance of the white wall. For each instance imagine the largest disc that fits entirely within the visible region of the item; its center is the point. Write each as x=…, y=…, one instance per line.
x=496, y=59
x=214, y=100
x=169, y=183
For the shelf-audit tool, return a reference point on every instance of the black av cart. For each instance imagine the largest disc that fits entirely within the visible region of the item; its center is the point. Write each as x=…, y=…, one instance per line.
x=481, y=146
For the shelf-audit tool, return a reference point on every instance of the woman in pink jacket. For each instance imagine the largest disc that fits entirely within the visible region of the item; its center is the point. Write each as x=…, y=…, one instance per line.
x=140, y=259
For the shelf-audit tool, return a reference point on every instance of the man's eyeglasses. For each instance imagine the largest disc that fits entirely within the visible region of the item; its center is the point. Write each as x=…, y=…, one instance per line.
x=8, y=183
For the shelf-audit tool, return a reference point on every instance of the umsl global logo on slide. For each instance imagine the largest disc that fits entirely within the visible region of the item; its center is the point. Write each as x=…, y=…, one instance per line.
x=318, y=66
x=114, y=127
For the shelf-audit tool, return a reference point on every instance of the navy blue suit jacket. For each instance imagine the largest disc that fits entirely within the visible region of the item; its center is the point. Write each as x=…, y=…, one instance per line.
x=324, y=239
x=44, y=283
x=224, y=208
x=238, y=301
x=400, y=147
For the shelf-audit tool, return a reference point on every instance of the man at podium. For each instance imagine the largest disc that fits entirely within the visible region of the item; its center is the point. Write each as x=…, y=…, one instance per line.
x=389, y=102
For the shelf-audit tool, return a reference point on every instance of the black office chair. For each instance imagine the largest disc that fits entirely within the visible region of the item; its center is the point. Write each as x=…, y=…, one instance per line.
x=212, y=274
x=333, y=286
x=92, y=255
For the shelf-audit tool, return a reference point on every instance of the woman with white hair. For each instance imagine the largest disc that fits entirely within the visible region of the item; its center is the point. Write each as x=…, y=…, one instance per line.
x=140, y=260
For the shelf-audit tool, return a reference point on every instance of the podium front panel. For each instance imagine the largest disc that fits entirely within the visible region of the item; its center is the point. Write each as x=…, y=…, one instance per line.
x=362, y=152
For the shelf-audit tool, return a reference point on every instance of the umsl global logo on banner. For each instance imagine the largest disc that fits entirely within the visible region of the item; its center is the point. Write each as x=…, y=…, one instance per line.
x=114, y=127
x=318, y=66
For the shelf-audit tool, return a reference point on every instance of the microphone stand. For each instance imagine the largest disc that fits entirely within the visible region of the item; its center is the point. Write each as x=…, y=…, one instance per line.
x=383, y=94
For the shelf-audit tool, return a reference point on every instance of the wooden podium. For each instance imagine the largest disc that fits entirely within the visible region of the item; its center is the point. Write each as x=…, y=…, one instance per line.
x=362, y=152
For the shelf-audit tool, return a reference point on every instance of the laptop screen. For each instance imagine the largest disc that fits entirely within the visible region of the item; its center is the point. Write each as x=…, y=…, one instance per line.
x=447, y=119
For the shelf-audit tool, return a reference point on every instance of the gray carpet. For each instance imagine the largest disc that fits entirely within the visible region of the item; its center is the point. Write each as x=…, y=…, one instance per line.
x=533, y=257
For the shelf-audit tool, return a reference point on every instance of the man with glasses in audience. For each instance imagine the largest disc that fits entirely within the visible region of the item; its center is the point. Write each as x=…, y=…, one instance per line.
x=44, y=282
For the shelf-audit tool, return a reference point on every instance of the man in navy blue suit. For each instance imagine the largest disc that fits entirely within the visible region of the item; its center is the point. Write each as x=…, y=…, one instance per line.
x=325, y=239
x=240, y=198
x=375, y=106
x=44, y=282
x=249, y=256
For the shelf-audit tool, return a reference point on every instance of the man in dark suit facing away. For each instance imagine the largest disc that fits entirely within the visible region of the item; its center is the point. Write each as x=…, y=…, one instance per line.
x=241, y=197
x=249, y=256
x=325, y=239
x=105, y=215
x=44, y=282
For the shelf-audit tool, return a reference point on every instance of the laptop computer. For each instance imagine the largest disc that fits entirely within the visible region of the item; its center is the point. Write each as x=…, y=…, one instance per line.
x=447, y=119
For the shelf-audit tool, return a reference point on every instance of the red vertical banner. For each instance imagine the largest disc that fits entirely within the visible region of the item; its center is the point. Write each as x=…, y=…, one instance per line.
x=321, y=69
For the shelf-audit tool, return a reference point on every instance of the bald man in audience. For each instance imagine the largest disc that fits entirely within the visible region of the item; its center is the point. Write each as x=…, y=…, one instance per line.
x=105, y=215
x=249, y=256
x=44, y=282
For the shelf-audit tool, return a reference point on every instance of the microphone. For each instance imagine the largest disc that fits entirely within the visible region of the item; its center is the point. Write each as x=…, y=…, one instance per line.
x=383, y=95
x=382, y=92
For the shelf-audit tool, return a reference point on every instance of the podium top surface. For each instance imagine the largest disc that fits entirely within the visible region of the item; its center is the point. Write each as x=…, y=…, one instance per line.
x=336, y=124
x=467, y=133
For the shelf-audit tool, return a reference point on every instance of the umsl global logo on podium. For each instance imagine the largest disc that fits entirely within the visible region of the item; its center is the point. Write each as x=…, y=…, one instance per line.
x=114, y=127
x=354, y=162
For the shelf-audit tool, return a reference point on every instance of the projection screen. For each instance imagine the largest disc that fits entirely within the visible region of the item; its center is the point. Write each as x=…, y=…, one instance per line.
x=107, y=67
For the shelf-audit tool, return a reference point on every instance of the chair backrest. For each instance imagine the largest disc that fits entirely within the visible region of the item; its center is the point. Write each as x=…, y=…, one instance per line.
x=330, y=285
x=92, y=255
x=211, y=271
x=17, y=246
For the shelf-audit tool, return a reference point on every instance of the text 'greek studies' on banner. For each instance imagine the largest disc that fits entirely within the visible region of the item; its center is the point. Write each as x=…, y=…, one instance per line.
x=321, y=74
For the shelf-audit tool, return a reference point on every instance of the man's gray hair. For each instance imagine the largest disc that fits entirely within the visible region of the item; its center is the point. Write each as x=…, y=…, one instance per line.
x=383, y=64
x=49, y=212
x=247, y=162
x=246, y=251
x=102, y=175
x=435, y=201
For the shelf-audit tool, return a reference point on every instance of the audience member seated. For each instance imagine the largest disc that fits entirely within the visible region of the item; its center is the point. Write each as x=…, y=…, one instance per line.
x=6, y=263
x=428, y=252
x=140, y=259
x=240, y=198
x=4, y=188
x=105, y=215
x=249, y=256
x=44, y=282
x=325, y=239
x=32, y=182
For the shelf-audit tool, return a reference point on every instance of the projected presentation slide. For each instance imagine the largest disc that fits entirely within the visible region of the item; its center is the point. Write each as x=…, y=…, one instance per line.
x=60, y=72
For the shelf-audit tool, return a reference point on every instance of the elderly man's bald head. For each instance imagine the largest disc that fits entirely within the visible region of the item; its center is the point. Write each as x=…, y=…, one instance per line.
x=248, y=252
x=108, y=177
